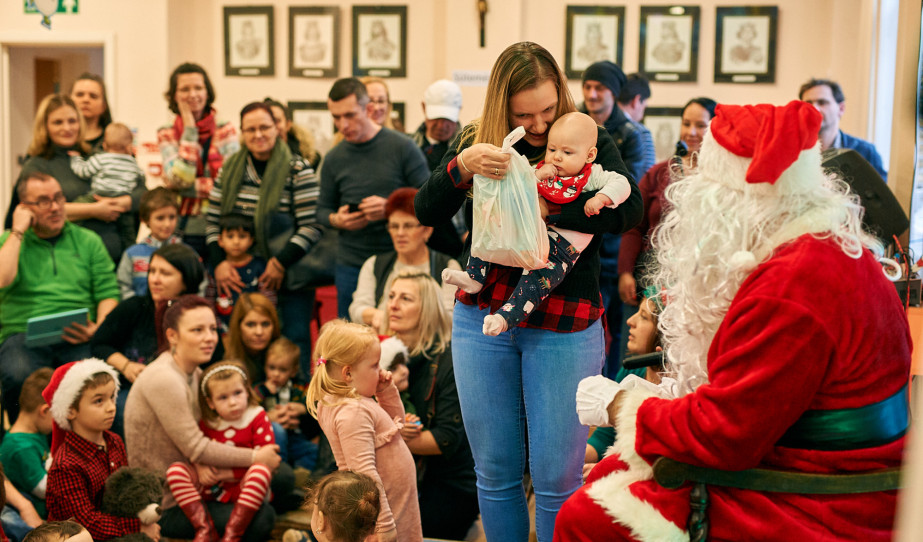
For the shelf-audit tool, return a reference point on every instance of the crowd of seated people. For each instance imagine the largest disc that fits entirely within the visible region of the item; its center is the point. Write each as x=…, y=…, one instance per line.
x=197, y=335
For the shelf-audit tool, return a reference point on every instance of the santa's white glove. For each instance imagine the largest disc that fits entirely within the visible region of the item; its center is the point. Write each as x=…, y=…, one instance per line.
x=665, y=390
x=594, y=395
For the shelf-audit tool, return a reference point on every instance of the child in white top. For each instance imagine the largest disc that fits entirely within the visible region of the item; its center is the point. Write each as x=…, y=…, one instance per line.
x=567, y=170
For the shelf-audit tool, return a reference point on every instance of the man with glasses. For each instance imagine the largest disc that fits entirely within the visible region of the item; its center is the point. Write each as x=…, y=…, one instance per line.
x=48, y=266
x=358, y=176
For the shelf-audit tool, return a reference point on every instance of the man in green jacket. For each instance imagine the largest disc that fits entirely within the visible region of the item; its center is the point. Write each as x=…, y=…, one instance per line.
x=47, y=266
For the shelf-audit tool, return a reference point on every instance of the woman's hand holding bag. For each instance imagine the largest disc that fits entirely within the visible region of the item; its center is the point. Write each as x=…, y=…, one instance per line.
x=508, y=228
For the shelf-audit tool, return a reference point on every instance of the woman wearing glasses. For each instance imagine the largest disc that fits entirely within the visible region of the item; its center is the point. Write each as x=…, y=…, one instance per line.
x=279, y=191
x=410, y=252
x=59, y=128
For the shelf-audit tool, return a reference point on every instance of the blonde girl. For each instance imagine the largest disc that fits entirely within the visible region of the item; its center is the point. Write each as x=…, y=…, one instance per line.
x=231, y=414
x=364, y=433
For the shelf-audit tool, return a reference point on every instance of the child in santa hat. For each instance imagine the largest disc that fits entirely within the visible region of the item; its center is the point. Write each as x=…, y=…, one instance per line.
x=84, y=451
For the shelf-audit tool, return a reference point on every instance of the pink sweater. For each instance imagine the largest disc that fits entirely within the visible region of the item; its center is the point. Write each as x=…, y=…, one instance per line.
x=365, y=437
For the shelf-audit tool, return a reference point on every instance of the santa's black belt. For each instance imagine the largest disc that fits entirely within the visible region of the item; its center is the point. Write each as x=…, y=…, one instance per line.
x=850, y=428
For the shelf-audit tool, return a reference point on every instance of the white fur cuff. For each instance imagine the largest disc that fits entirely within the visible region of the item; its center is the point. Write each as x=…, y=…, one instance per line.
x=626, y=430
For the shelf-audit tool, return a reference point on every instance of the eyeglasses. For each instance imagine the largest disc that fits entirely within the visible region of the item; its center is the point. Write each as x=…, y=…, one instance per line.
x=379, y=101
x=253, y=130
x=44, y=203
x=400, y=227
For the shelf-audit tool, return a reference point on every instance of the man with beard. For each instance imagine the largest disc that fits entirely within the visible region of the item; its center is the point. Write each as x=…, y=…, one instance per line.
x=778, y=321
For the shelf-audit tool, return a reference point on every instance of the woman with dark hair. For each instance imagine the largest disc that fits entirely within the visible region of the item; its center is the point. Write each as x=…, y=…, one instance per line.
x=193, y=149
x=410, y=252
x=161, y=426
x=278, y=190
x=526, y=377
x=135, y=337
x=300, y=141
x=89, y=93
x=58, y=129
x=697, y=114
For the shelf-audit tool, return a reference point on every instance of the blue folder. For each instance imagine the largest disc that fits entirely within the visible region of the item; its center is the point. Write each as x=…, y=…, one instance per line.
x=47, y=330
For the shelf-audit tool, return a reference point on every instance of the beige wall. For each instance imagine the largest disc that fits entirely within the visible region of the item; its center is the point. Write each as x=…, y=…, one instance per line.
x=825, y=38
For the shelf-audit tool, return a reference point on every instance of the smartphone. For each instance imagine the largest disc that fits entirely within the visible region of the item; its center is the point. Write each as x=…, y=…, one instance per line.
x=353, y=207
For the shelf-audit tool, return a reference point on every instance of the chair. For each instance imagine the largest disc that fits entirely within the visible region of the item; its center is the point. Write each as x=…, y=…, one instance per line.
x=672, y=474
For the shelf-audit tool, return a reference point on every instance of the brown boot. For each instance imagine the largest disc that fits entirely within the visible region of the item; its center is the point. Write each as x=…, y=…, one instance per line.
x=238, y=523
x=201, y=521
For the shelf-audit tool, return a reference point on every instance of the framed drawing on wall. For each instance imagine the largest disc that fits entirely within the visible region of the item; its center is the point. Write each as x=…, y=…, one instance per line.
x=745, y=44
x=669, y=43
x=380, y=41
x=593, y=33
x=248, y=41
x=313, y=34
x=664, y=123
x=315, y=118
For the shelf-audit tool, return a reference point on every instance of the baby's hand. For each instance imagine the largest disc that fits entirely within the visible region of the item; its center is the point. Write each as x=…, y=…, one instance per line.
x=546, y=172
x=595, y=204
x=384, y=380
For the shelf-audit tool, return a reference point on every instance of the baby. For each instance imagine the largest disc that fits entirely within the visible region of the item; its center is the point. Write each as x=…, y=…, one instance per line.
x=112, y=173
x=567, y=170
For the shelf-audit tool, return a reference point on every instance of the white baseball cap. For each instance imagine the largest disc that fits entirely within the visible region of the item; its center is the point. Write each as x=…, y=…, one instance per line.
x=443, y=100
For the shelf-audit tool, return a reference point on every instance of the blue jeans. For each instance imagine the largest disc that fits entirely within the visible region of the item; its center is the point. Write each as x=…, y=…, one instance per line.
x=523, y=378
x=14, y=526
x=345, y=279
x=296, y=309
x=295, y=448
x=17, y=362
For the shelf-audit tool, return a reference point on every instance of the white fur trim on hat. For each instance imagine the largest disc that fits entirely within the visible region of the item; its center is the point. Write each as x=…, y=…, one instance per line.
x=720, y=165
x=613, y=494
x=390, y=348
x=71, y=383
x=626, y=430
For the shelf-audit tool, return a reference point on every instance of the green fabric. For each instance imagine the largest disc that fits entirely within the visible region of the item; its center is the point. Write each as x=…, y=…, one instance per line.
x=271, y=185
x=850, y=428
x=74, y=273
x=23, y=457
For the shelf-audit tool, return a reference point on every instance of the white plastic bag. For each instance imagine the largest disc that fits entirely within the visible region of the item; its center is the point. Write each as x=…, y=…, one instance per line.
x=508, y=228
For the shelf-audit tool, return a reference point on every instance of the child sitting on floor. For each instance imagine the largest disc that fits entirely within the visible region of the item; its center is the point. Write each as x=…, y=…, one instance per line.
x=567, y=170
x=283, y=396
x=345, y=506
x=230, y=414
x=84, y=451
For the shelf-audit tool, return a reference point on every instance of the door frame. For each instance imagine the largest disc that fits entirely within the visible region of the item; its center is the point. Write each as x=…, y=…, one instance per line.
x=41, y=38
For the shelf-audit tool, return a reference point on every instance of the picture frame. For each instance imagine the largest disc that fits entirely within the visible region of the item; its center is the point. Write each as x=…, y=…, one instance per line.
x=664, y=124
x=379, y=41
x=313, y=35
x=745, y=44
x=249, y=49
x=593, y=33
x=314, y=117
x=669, y=51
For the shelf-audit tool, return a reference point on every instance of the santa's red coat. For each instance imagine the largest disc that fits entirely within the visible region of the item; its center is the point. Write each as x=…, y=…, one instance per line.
x=809, y=329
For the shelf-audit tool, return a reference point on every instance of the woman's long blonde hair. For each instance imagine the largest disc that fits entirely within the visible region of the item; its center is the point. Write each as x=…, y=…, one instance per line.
x=435, y=324
x=41, y=142
x=519, y=67
x=369, y=79
x=340, y=344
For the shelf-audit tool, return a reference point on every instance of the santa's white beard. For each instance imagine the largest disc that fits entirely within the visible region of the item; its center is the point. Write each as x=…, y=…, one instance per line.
x=711, y=224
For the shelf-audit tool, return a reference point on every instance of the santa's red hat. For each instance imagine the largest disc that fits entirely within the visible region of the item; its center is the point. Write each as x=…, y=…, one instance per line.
x=63, y=390
x=391, y=349
x=756, y=144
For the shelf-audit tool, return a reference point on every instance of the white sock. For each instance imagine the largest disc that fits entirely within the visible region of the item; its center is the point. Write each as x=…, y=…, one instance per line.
x=494, y=324
x=462, y=280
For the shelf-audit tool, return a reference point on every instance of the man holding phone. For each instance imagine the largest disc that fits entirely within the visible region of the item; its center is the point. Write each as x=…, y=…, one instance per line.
x=48, y=266
x=358, y=175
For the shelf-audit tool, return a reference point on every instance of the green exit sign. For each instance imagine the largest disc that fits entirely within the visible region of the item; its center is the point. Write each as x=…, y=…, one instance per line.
x=64, y=6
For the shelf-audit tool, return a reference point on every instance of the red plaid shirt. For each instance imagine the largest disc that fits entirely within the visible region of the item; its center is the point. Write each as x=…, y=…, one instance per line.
x=558, y=313
x=75, y=485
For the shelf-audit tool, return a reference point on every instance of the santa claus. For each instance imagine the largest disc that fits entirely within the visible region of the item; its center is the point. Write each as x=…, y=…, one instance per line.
x=789, y=348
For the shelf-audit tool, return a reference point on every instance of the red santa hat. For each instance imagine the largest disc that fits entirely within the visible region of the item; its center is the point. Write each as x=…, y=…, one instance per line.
x=391, y=349
x=64, y=388
x=772, y=149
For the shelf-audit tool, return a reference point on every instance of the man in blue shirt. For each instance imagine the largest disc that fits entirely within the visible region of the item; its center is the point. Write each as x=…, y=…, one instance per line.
x=827, y=97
